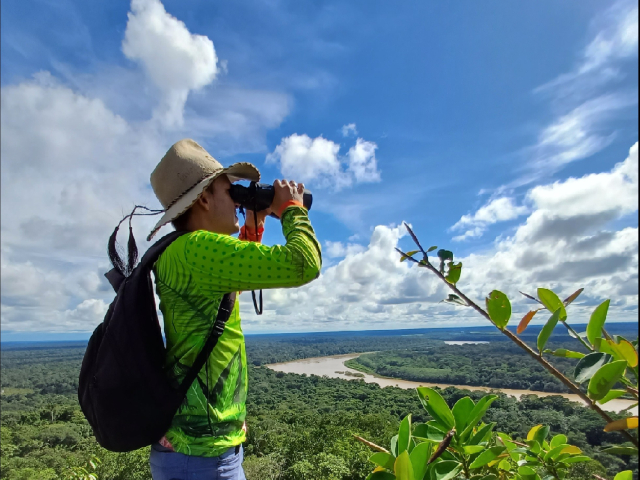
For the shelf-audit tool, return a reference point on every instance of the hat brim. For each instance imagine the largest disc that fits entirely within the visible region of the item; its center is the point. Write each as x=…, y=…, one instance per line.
x=235, y=172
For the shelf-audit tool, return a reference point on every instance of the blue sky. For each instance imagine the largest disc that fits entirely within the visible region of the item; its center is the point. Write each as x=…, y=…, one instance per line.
x=498, y=130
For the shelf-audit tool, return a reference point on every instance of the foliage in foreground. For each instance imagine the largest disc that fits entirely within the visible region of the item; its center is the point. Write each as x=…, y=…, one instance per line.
x=457, y=444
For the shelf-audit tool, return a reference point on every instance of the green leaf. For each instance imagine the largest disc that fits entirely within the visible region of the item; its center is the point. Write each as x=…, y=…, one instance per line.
x=487, y=456
x=394, y=445
x=624, y=475
x=615, y=450
x=596, y=322
x=445, y=254
x=436, y=406
x=576, y=459
x=409, y=254
x=527, y=473
x=554, y=452
x=428, y=432
x=589, y=365
x=498, y=308
x=431, y=249
x=461, y=411
x=482, y=434
x=477, y=413
x=507, y=441
x=419, y=458
x=559, y=439
x=541, y=434
x=605, y=378
x=504, y=465
x=552, y=302
x=622, y=350
x=611, y=395
x=547, y=330
x=380, y=476
x=403, y=468
x=473, y=449
x=404, y=434
x=563, y=352
x=453, y=275
x=446, y=469
x=384, y=460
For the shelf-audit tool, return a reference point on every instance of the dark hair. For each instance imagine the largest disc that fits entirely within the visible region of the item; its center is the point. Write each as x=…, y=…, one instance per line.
x=181, y=223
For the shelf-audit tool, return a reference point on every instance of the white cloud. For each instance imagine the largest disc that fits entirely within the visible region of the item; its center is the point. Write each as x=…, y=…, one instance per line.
x=305, y=159
x=563, y=244
x=72, y=167
x=316, y=160
x=586, y=99
x=592, y=194
x=497, y=210
x=176, y=60
x=577, y=134
x=349, y=129
x=340, y=249
x=362, y=161
x=615, y=39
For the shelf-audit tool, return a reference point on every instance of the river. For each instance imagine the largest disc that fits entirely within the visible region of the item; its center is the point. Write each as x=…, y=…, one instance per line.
x=333, y=367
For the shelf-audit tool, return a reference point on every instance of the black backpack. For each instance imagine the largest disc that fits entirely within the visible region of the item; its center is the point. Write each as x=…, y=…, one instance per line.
x=124, y=390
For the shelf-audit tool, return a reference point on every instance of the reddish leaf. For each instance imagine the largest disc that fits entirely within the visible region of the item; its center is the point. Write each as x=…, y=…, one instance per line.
x=525, y=320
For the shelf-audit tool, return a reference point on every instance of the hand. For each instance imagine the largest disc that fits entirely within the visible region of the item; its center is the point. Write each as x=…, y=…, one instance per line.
x=286, y=190
x=250, y=217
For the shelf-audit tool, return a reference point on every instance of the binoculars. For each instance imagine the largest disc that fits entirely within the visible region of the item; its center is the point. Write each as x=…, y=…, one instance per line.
x=259, y=196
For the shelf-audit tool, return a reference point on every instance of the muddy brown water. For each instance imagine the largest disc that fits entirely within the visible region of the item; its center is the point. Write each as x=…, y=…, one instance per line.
x=333, y=367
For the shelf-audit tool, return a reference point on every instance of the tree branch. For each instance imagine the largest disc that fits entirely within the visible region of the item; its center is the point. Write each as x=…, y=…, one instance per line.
x=550, y=368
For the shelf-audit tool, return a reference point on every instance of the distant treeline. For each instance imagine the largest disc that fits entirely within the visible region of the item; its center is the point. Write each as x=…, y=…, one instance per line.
x=496, y=365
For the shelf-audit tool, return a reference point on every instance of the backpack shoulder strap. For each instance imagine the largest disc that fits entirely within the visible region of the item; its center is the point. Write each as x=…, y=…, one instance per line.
x=115, y=275
x=153, y=253
x=224, y=312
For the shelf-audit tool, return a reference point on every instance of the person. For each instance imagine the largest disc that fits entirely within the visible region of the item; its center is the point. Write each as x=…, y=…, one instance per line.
x=192, y=275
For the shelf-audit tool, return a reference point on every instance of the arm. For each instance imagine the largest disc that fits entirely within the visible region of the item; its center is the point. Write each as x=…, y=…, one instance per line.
x=221, y=263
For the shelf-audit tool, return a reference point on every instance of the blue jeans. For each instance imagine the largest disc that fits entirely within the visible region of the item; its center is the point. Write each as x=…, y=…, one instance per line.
x=168, y=465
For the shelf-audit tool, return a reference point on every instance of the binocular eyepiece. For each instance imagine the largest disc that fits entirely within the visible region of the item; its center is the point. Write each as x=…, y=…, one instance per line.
x=259, y=196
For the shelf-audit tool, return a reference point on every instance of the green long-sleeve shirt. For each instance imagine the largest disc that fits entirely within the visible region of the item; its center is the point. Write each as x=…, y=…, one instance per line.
x=192, y=276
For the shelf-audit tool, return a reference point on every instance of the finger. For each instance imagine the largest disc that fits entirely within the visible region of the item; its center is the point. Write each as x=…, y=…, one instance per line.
x=292, y=183
x=300, y=188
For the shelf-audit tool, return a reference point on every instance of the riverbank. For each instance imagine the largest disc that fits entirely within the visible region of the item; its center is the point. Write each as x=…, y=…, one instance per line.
x=334, y=367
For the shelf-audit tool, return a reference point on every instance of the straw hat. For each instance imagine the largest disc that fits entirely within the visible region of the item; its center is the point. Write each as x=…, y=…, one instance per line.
x=185, y=172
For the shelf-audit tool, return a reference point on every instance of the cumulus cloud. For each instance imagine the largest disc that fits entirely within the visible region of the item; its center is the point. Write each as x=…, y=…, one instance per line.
x=563, y=244
x=349, y=129
x=72, y=167
x=340, y=249
x=176, y=60
x=497, y=210
x=317, y=160
x=362, y=162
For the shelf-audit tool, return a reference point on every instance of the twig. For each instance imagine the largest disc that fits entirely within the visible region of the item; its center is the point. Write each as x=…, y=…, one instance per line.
x=580, y=339
x=568, y=383
x=371, y=445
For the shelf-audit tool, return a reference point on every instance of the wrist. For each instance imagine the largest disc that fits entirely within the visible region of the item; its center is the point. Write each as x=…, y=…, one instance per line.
x=250, y=234
x=287, y=204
